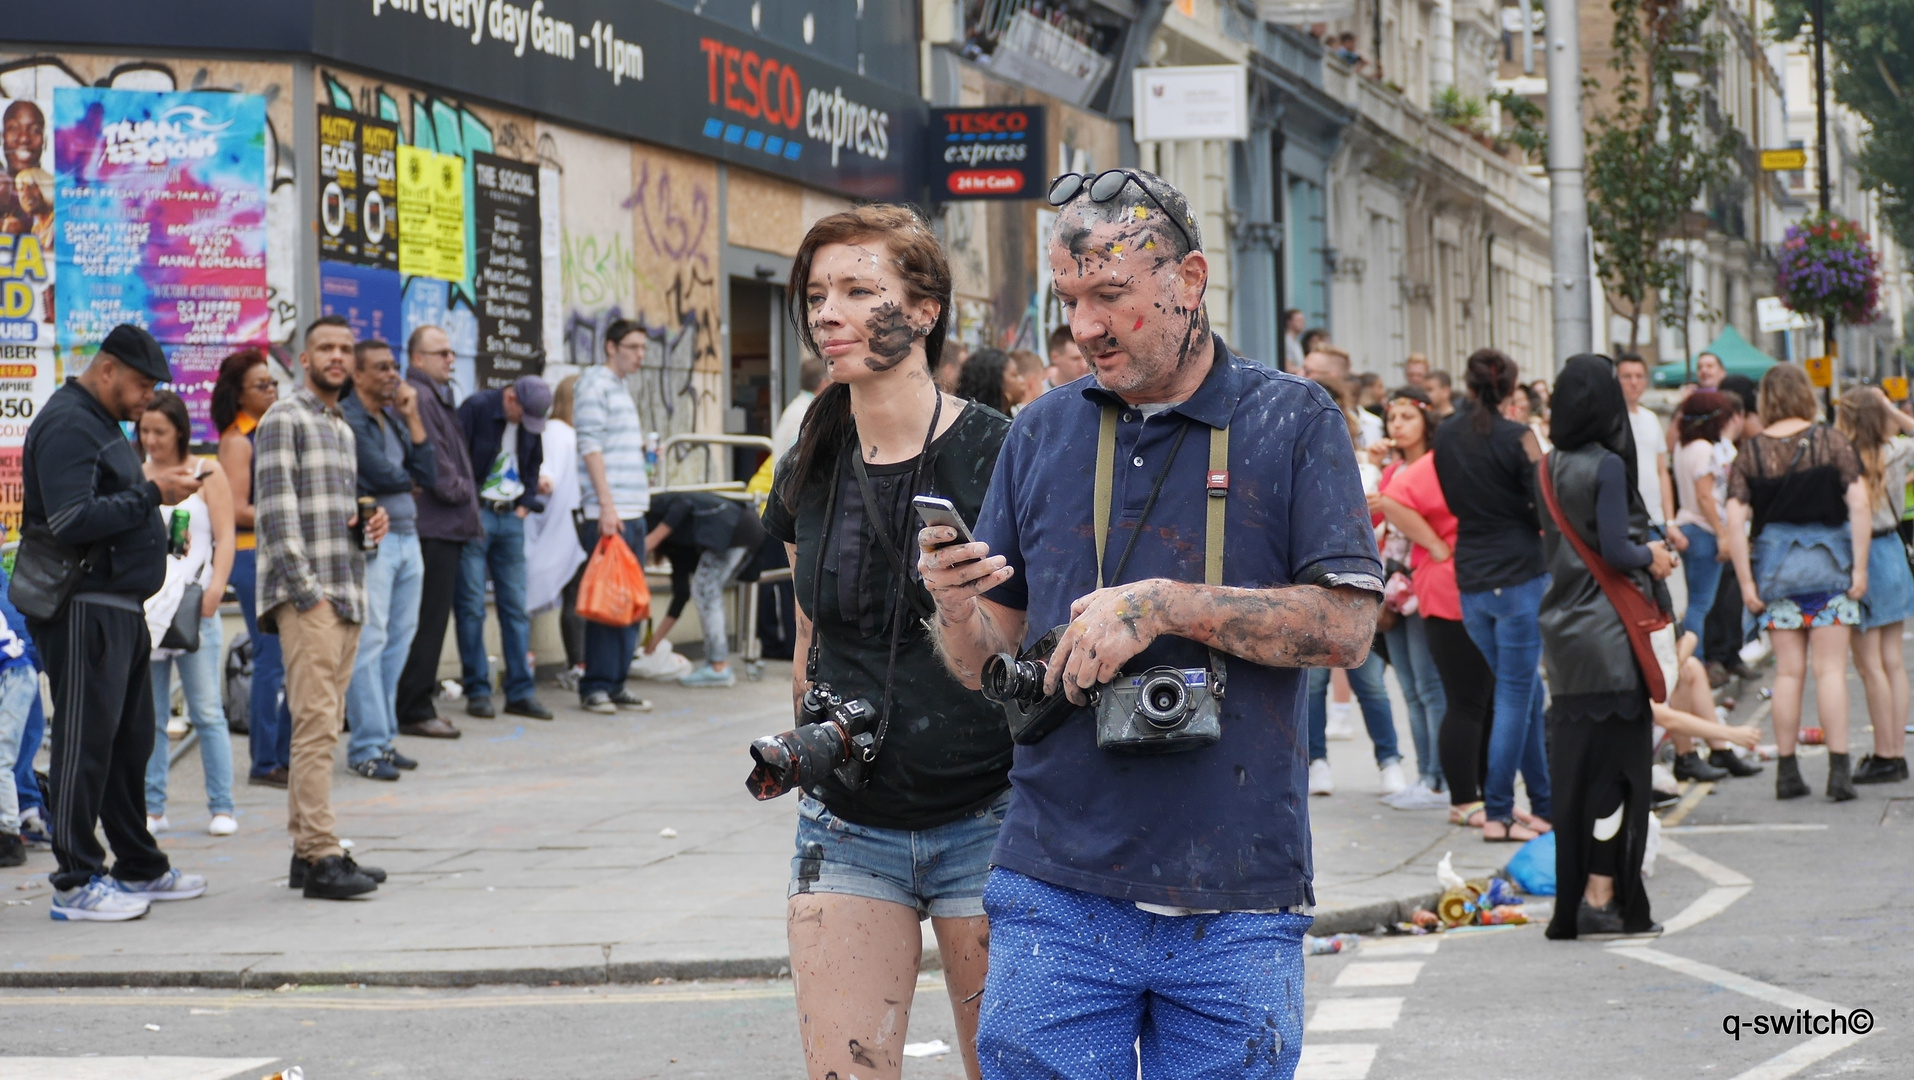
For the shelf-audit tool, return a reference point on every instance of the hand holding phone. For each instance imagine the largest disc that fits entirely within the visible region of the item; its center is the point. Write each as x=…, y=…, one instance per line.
x=935, y=511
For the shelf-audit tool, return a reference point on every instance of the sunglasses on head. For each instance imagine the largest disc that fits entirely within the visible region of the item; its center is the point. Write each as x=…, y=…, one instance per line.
x=1105, y=186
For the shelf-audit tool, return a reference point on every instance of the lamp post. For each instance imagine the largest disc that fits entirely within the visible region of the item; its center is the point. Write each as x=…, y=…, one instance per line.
x=1570, y=280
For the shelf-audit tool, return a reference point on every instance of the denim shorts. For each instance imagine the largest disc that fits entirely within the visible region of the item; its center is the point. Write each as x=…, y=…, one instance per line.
x=938, y=872
x=1890, y=584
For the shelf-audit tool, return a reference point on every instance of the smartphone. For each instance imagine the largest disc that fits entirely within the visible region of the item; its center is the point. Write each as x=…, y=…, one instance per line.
x=936, y=511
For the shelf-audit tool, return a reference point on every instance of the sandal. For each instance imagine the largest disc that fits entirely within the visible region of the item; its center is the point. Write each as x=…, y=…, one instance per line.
x=1467, y=814
x=1536, y=825
x=1509, y=833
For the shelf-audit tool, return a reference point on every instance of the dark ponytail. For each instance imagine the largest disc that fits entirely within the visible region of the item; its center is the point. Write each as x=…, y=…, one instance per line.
x=919, y=259
x=1490, y=378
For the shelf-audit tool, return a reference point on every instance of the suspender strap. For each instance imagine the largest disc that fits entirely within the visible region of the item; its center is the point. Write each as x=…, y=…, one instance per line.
x=1106, y=479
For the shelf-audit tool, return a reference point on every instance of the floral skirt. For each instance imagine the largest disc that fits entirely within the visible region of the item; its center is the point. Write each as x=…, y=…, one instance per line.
x=1811, y=610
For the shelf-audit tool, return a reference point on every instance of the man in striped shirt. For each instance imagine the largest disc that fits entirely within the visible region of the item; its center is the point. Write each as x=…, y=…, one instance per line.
x=615, y=497
x=312, y=592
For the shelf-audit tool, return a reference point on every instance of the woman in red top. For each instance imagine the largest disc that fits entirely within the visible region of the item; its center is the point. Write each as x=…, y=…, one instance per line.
x=1412, y=502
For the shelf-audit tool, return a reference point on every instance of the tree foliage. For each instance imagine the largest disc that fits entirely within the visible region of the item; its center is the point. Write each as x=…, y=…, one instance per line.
x=1870, y=47
x=1653, y=154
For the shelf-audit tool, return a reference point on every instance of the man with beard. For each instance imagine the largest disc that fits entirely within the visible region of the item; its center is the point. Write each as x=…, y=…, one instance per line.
x=312, y=569
x=1236, y=561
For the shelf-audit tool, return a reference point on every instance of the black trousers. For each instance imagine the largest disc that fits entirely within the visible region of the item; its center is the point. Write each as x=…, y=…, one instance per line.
x=1596, y=766
x=1721, y=634
x=1468, y=684
x=420, y=679
x=97, y=657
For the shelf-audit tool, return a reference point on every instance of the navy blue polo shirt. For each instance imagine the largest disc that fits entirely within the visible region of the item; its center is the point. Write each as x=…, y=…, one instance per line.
x=1226, y=826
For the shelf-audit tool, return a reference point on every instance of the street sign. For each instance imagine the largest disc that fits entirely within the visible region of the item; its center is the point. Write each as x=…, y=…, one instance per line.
x=1895, y=386
x=988, y=153
x=1793, y=159
x=1207, y=102
x=1820, y=370
x=1772, y=315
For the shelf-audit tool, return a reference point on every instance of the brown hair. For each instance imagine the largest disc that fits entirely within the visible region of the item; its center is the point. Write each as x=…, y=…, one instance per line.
x=918, y=258
x=1490, y=377
x=563, y=395
x=1339, y=393
x=168, y=404
x=1863, y=417
x=229, y=384
x=1786, y=394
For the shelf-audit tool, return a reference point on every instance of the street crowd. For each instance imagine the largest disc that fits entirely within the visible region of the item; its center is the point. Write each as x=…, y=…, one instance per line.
x=1559, y=580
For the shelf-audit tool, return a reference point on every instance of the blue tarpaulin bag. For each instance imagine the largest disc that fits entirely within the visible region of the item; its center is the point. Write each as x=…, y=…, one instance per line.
x=1533, y=867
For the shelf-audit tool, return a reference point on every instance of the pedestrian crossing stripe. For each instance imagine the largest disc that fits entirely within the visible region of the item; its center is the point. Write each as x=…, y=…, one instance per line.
x=119, y=1068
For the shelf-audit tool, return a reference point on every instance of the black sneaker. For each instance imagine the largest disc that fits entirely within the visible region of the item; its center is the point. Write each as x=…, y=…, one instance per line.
x=376, y=768
x=296, y=876
x=13, y=851
x=529, y=707
x=398, y=760
x=1689, y=766
x=480, y=707
x=335, y=878
x=625, y=699
x=1734, y=763
x=1605, y=923
x=1873, y=769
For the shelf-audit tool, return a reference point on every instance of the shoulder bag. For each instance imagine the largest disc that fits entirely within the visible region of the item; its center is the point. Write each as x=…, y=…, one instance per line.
x=1640, y=616
x=47, y=572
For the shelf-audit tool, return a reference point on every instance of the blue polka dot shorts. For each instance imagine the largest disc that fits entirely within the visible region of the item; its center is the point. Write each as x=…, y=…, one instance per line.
x=1080, y=985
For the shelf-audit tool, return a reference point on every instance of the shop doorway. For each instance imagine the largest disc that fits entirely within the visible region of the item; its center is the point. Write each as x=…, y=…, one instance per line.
x=757, y=309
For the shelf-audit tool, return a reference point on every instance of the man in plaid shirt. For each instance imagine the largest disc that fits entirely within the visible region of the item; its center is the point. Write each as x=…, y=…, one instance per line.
x=312, y=592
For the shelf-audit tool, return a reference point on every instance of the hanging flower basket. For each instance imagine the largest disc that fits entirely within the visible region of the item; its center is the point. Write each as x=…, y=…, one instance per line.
x=1826, y=270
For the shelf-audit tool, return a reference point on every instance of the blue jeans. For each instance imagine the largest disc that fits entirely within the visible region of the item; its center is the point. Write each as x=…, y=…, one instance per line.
x=25, y=785
x=19, y=689
x=500, y=553
x=1505, y=624
x=939, y=872
x=1377, y=716
x=395, y=579
x=1082, y=985
x=1703, y=575
x=1422, y=690
x=608, y=649
x=267, y=714
x=199, y=676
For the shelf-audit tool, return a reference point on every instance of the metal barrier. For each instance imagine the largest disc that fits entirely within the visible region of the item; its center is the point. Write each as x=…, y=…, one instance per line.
x=743, y=594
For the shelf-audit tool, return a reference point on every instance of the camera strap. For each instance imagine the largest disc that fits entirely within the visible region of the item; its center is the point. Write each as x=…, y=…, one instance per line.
x=1216, y=487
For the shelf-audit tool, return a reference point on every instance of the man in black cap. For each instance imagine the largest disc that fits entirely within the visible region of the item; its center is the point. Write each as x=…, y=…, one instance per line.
x=84, y=483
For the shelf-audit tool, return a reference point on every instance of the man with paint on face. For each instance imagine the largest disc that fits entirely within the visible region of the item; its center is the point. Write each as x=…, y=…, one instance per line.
x=1193, y=866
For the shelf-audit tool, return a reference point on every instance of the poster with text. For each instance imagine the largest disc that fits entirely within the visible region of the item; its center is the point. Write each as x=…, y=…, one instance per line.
x=418, y=241
x=448, y=214
x=378, y=194
x=509, y=265
x=29, y=363
x=162, y=220
x=368, y=297
x=338, y=185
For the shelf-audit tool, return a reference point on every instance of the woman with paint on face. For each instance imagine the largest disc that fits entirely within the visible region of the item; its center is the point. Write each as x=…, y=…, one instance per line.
x=914, y=841
x=1600, y=719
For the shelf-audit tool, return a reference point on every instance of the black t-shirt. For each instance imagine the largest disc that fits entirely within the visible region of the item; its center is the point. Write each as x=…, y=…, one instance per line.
x=946, y=751
x=1487, y=481
x=700, y=522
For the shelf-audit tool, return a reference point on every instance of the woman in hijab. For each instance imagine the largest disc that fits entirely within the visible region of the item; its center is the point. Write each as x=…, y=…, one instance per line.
x=1600, y=722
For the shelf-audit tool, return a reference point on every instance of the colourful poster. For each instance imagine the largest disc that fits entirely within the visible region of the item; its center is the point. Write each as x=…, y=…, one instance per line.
x=418, y=232
x=338, y=185
x=29, y=364
x=162, y=221
x=368, y=296
x=379, y=194
x=448, y=212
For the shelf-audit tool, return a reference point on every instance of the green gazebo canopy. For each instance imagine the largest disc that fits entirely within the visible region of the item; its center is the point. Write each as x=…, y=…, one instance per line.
x=1739, y=357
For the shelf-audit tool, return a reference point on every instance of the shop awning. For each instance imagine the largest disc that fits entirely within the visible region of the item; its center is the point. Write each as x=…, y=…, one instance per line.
x=1737, y=355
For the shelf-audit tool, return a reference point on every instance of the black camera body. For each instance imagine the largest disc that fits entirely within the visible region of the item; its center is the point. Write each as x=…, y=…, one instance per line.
x=1165, y=710
x=1016, y=683
x=832, y=735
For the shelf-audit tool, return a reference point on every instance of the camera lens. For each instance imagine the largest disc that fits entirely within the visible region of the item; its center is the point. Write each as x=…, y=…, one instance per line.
x=1007, y=679
x=1162, y=699
x=795, y=759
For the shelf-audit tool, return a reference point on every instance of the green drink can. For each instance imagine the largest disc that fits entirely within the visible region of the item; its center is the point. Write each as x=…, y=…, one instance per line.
x=176, y=534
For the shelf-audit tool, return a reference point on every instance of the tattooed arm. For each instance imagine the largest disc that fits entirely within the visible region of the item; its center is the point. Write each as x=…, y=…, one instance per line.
x=968, y=629
x=1290, y=626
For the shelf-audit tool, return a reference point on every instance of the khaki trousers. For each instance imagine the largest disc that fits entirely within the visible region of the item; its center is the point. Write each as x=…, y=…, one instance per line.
x=319, y=648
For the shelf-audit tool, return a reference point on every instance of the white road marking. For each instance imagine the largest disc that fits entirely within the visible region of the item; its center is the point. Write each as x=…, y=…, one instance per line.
x=1696, y=830
x=1389, y=973
x=1716, y=873
x=1424, y=945
x=1729, y=886
x=1781, y=1065
x=117, y=1068
x=1349, y=1061
x=1356, y=1014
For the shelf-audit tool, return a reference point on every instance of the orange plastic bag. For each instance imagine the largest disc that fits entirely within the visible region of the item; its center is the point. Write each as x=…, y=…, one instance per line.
x=613, y=591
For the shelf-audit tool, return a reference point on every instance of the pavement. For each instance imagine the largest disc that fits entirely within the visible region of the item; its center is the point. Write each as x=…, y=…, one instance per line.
x=586, y=850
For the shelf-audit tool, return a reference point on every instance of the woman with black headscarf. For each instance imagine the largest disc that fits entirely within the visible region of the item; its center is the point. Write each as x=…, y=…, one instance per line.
x=1600, y=723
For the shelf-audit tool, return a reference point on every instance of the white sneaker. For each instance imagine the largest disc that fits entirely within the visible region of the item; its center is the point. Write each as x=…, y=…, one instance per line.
x=157, y=825
x=1320, y=782
x=223, y=825
x=96, y=901
x=1339, y=726
x=177, y=727
x=174, y=884
x=1392, y=779
x=1419, y=797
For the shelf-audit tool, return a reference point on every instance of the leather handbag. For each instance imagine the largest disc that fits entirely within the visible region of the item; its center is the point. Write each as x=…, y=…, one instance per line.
x=1640, y=616
x=183, y=632
x=46, y=572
